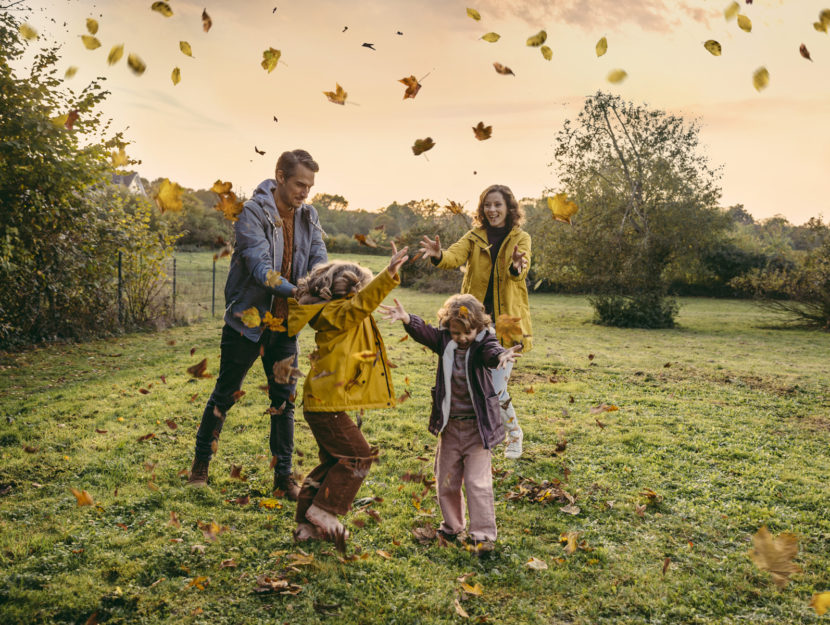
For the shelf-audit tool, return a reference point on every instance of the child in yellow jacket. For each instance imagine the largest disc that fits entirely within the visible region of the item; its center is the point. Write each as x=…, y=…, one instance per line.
x=349, y=371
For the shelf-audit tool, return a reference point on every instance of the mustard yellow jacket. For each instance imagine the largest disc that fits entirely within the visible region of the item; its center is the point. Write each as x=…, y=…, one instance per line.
x=509, y=291
x=339, y=379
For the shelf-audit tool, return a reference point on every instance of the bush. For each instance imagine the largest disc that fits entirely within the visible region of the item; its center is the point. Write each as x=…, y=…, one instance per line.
x=635, y=311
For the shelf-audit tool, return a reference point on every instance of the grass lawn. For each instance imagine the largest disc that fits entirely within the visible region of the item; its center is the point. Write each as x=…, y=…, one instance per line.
x=726, y=419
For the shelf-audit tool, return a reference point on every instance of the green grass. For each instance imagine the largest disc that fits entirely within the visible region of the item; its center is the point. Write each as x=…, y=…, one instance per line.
x=733, y=434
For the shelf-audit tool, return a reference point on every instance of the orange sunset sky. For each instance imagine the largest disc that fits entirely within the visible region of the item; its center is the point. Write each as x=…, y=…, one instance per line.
x=773, y=145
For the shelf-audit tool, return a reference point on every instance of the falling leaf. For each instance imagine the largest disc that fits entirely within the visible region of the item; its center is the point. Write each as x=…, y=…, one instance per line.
x=406, y=395
x=561, y=208
x=136, y=64
x=250, y=317
x=422, y=145
x=275, y=324
x=820, y=602
x=83, y=497
x=115, y=54
x=775, y=555
x=285, y=372
x=27, y=32
x=474, y=14
x=508, y=329
x=59, y=121
x=491, y=37
x=228, y=202
x=412, y=86
x=820, y=27
x=270, y=58
x=547, y=52
x=503, y=69
x=804, y=52
x=176, y=76
x=458, y=609
x=537, y=40
x=198, y=370
x=536, y=564
x=163, y=8
x=455, y=208
x=71, y=118
x=90, y=42
x=617, y=76
x=744, y=23
x=206, y=21
x=713, y=47
x=70, y=71
x=186, y=49
x=169, y=196
x=91, y=26
x=760, y=79
x=824, y=17
x=640, y=510
x=731, y=11
x=338, y=96
x=482, y=132
x=365, y=239
x=604, y=408
x=602, y=46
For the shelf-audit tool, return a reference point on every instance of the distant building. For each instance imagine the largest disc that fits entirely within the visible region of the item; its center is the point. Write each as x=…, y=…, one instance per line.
x=132, y=182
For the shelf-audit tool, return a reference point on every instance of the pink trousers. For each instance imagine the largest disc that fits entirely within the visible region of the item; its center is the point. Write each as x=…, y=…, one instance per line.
x=462, y=459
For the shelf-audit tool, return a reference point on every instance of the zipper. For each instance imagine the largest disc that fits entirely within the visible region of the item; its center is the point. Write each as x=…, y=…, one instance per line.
x=470, y=391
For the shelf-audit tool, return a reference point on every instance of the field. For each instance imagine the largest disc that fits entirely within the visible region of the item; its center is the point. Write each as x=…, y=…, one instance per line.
x=726, y=420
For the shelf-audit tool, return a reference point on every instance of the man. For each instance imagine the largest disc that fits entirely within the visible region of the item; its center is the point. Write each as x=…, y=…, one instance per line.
x=276, y=232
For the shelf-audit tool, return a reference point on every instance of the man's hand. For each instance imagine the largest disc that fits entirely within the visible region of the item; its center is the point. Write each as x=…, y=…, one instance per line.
x=395, y=313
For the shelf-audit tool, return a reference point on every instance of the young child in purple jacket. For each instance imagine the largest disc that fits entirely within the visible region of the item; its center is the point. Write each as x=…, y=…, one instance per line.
x=465, y=411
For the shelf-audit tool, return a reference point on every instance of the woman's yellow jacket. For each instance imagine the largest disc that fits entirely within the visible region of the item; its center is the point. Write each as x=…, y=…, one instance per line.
x=349, y=368
x=509, y=291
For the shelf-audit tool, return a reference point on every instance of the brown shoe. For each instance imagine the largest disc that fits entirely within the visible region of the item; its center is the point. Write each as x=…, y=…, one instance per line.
x=287, y=486
x=198, y=473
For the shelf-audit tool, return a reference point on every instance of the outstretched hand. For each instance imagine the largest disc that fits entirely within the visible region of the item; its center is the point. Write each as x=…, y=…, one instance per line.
x=519, y=259
x=398, y=259
x=431, y=248
x=509, y=355
x=394, y=313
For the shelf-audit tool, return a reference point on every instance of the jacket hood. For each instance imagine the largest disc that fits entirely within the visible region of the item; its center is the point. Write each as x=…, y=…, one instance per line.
x=264, y=193
x=300, y=314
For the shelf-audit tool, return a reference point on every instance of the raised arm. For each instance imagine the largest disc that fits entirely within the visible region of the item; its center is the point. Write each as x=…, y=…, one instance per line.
x=454, y=256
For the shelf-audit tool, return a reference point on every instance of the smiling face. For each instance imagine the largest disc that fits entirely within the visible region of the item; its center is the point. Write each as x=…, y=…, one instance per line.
x=495, y=209
x=460, y=335
x=292, y=192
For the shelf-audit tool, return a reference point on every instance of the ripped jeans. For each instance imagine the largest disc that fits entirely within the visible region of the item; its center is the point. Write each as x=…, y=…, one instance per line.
x=345, y=458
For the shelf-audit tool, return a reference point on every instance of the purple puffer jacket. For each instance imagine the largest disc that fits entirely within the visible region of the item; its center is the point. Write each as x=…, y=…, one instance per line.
x=482, y=355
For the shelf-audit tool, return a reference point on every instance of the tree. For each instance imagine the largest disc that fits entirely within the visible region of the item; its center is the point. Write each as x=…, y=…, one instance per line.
x=647, y=199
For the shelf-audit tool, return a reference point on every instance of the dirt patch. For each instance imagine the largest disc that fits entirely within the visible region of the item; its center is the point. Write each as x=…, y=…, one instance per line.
x=529, y=378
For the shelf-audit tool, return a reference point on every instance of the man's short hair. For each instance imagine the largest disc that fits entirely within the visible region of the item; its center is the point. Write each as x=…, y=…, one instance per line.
x=288, y=161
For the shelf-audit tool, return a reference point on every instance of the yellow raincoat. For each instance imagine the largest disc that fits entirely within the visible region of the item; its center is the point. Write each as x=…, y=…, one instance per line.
x=509, y=291
x=339, y=379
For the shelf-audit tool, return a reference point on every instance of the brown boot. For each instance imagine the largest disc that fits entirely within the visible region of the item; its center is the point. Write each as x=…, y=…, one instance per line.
x=287, y=485
x=198, y=473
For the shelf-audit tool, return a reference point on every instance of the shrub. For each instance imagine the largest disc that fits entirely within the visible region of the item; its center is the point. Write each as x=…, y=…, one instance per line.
x=649, y=310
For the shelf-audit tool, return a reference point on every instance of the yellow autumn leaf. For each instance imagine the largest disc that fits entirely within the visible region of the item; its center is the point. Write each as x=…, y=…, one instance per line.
x=562, y=208
x=83, y=497
x=119, y=159
x=229, y=205
x=275, y=324
x=176, y=76
x=163, y=8
x=760, y=79
x=90, y=42
x=537, y=40
x=91, y=26
x=536, y=564
x=820, y=602
x=509, y=330
x=744, y=23
x=70, y=71
x=273, y=278
x=115, y=54
x=186, y=49
x=136, y=64
x=617, y=76
x=250, y=317
x=713, y=47
x=491, y=37
x=602, y=46
x=338, y=96
x=824, y=17
x=476, y=590
x=775, y=555
x=221, y=187
x=270, y=58
x=546, y=52
x=820, y=27
x=60, y=120
x=169, y=196
x=474, y=14
x=270, y=503
x=731, y=11
x=27, y=32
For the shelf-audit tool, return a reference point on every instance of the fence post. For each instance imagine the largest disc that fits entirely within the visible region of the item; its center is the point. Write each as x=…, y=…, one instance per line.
x=174, y=287
x=120, y=289
x=213, y=292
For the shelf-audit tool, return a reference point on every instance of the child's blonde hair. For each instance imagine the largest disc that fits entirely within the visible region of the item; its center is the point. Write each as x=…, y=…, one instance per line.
x=466, y=310
x=335, y=279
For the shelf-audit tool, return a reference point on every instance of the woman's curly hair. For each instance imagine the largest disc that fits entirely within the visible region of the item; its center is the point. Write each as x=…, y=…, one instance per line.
x=335, y=279
x=515, y=213
x=466, y=310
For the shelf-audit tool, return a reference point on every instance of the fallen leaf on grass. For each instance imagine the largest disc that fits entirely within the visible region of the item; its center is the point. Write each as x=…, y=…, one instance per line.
x=29, y=449
x=476, y=590
x=600, y=424
x=147, y=437
x=174, y=519
x=270, y=504
x=536, y=564
x=775, y=555
x=820, y=602
x=236, y=472
x=384, y=554
x=424, y=535
x=666, y=564
x=228, y=564
x=459, y=610
x=212, y=530
x=570, y=509
x=604, y=408
x=640, y=510
x=243, y=500
x=83, y=497
x=199, y=583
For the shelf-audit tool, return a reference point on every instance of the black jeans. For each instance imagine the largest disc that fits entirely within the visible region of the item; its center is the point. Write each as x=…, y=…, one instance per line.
x=238, y=354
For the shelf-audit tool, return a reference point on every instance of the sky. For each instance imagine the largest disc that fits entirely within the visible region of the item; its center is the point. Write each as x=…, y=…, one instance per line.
x=773, y=146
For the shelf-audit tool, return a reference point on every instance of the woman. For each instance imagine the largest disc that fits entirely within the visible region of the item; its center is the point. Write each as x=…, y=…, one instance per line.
x=497, y=253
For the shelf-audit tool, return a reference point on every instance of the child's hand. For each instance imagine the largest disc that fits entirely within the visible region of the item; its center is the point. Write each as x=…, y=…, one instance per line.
x=430, y=248
x=395, y=313
x=509, y=355
x=519, y=260
x=398, y=259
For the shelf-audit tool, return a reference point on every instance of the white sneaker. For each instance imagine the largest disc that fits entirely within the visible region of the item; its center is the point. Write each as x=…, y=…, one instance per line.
x=514, y=445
